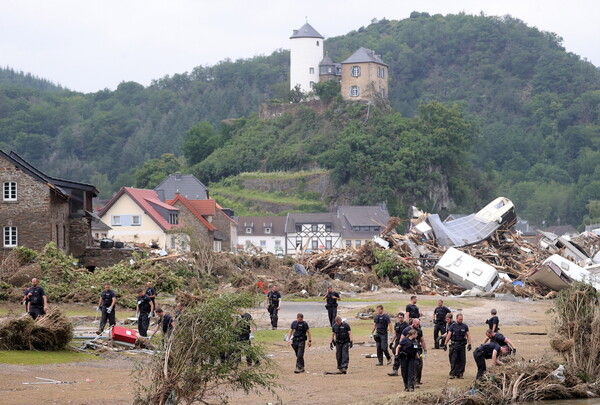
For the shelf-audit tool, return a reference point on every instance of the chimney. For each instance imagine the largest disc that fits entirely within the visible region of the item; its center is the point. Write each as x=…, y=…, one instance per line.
x=161, y=194
x=177, y=176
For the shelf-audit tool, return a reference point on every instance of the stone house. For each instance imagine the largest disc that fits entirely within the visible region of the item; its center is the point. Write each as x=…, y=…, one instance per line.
x=364, y=76
x=193, y=222
x=36, y=209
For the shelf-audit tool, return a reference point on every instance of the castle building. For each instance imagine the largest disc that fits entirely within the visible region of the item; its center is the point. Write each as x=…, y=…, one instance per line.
x=306, y=52
x=363, y=76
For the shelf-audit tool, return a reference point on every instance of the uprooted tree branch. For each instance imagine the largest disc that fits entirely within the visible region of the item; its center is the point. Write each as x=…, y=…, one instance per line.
x=201, y=359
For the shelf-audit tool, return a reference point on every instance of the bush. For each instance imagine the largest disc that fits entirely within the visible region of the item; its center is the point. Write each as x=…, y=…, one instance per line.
x=390, y=266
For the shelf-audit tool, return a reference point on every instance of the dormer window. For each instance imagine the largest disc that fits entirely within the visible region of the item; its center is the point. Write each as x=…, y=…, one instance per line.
x=248, y=230
x=267, y=230
x=173, y=218
x=355, y=71
x=10, y=191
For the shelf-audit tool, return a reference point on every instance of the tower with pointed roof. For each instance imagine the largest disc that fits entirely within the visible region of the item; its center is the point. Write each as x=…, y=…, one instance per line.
x=306, y=52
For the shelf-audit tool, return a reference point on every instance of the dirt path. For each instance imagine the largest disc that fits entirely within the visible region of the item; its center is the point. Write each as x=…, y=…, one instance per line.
x=110, y=381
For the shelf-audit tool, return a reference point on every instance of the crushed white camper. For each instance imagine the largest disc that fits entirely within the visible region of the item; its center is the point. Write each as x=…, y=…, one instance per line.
x=557, y=273
x=467, y=271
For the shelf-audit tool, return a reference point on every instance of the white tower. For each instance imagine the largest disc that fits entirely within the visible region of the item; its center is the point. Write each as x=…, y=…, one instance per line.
x=306, y=52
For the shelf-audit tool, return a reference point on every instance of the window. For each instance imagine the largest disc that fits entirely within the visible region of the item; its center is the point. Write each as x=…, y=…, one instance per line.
x=311, y=71
x=277, y=244
x=329, y=70
x=267, y=230
x=348, y=243
x=10, y=191
x=217, y=245
x=136, y=220
x=328, y=227
x=314, y=227
x=173, y=241
x=354, y=91
x=317, y=43
x=315, y=244
x=263, y=244
x=115, y=220
x=382, y=93
x=173, y=218
x=10, y=236
x=248, y=230
x=357, y=243
x=328, y=244
x=355, y=71
x=381, y=72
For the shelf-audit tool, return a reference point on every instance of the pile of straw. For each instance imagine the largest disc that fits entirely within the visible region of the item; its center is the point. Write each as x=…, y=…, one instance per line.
x=50, y=332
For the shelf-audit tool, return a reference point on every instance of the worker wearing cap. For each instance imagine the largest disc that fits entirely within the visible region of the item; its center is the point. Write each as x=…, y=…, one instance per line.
x=107, y=303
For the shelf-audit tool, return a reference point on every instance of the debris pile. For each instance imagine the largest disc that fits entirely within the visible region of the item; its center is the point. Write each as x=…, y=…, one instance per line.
x=51, y=332
x=477, y=252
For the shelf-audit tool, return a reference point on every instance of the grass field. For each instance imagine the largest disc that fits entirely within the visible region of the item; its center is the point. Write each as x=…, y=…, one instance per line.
x=32, y=357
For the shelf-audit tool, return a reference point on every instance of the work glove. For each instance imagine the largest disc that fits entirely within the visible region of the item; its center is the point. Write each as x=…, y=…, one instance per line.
x=350, y=345
x=424, y=356
x=469, y=347
x=514, y=352
x=98, y=308
x=151, y=314
x=331, y=345
x=444, y=347
x=109, y=310
x=371, y=336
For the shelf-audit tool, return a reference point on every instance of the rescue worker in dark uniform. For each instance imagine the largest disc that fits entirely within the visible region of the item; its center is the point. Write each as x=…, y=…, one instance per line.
x=439, y=319
x=273, y=305
x=341, y=338
x=489, y=350
x=421, y=348
x=381, y=325
x=151, y=292
x=246, y=329
x=165, y=322
x=500, y=339
x=407, y=352
x=297, y=337
x=412, y=310
x=399, y=327
x=36, y=300
x=494, y=322
x=460, y=337
x=331, y=304
x=449, y=321
x=107, y=303
x=144, y=308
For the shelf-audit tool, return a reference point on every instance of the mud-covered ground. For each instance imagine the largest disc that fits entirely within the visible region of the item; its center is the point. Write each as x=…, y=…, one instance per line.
x=110, y=381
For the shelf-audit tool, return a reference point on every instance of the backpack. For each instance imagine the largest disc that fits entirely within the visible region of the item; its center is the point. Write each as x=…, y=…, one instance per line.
x=36, y=297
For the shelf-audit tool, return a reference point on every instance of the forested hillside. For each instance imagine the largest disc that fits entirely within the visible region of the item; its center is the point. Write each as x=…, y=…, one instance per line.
x=533, y=108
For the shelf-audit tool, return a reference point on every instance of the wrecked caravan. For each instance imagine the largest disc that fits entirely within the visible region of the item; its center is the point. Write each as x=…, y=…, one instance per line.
x=558, y=273
x=466, y=271
x=474, y=228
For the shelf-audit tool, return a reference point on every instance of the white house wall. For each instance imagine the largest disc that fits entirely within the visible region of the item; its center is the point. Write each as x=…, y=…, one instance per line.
x=305, y=54
x=270, y=243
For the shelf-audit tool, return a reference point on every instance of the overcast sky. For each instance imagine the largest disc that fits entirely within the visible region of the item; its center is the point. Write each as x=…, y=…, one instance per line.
x=89, y=45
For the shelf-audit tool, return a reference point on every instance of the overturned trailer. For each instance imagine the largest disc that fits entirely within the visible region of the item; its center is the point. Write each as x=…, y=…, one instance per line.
x=557, y=273
x=466, y=271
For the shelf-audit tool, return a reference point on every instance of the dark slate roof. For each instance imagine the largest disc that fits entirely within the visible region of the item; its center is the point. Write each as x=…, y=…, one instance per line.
x=312, y=218
x=99, y=225
x=185, y=184
x=364, y=55
x=306, y=31
x=371, y=216
x=258, y=225
x=327, y=61
x=60, y=186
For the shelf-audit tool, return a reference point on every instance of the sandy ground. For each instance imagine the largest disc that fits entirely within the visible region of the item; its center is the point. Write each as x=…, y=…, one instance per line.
x=109, y=381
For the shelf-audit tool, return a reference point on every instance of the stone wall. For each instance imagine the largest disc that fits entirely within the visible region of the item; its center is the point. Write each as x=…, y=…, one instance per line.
x=223, y=224
x=189, y=221
x=98, y=257
x=269, y=111
x=80, y=235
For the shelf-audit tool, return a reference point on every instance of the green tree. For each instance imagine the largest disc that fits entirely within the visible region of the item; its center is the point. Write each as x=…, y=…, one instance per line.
x=328, y=90
x=201, y=357
x=156, y=170
x=200, y=141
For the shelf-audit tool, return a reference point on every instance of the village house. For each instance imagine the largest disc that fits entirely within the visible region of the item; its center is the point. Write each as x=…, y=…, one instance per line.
x=265, y=233
x=186, y=185
x=361, y=223
x=36, y=209
x=139, y=216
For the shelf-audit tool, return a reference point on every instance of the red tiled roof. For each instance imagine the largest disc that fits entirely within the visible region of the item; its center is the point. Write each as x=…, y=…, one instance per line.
x=189, y=205
x=145, y=199
x=205, y=207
